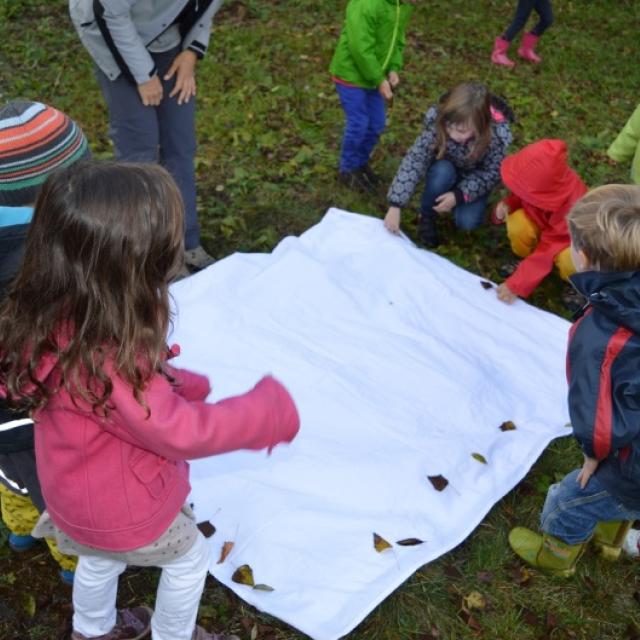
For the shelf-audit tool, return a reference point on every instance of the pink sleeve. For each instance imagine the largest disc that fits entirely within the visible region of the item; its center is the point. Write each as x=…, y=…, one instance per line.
x=180, y=429
x=190, y=385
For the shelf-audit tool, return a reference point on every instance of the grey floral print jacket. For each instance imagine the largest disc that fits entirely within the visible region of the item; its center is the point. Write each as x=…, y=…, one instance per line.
x=476, y=177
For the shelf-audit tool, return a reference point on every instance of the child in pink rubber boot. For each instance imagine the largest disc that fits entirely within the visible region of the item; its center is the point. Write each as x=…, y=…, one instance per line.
x=530, y=39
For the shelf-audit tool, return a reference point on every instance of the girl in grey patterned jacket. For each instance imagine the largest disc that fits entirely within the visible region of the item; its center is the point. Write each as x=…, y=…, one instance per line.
x=465, y=138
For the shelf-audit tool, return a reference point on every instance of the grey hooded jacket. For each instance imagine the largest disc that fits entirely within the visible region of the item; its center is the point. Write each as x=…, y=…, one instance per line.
x=117, y=33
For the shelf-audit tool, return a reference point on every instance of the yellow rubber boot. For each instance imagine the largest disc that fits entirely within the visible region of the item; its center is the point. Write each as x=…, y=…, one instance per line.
x=609, y=536
x=545, y=551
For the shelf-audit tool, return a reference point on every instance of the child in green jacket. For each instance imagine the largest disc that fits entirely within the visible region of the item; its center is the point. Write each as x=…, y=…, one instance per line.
x=365, y=70
x=627, y=145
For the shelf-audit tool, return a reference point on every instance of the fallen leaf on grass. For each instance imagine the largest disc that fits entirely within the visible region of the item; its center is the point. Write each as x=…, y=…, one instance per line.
x=243, y=575
x=409, y=542
x=29, y=604
x=226, y=550
x=475, y=600
x=530, y=617
x=484, y=576
x=439, y=482
x=380, y=544
x=507, y=426
x=521, y=576
x=485, y=284
x=479, y=457
x=451, y=571
x=469, y=620
x=206, y=528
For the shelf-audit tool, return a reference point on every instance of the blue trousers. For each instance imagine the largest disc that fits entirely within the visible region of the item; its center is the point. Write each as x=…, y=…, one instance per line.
x=164, y=134
x=364, y=112
x=441, y=177
x=571, y=513
x=523, y=11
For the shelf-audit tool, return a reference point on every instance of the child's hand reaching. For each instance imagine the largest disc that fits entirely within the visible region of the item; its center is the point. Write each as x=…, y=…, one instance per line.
x=505, y=294
x=589, y=467
x=501, y=211
x=385, y=90
x=394, y=79
x=392, y=220
x=445, y=202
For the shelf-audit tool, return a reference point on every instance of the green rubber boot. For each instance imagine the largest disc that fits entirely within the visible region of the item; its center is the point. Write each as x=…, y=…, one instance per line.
x=545, y=551
x=609, y=536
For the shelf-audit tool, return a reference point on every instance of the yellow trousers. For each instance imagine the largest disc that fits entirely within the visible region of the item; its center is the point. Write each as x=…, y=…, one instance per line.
x=524, y=235
x=20, y=516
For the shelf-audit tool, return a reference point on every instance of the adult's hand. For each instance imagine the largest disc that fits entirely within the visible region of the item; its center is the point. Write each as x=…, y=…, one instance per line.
x=151, y=92
x=184, y=69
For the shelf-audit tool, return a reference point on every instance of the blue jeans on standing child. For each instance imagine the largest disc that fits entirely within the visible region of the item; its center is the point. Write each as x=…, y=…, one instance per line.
x=364, y=111
x=442, y=176
x=523, y=11
x=571, y=513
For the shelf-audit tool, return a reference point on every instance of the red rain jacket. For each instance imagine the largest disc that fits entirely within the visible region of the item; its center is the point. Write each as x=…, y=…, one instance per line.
x=542, y=183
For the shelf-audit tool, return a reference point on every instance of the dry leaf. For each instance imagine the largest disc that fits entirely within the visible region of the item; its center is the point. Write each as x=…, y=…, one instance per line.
x=507, y=426
x=485, y=284
x=439, y=482
x=379, y=543
x=263, y=587
x=484, y=576
x=206, y=528
x=225, y=551
x=243, y=575
x=479, y=457
x=409, y=542
x=475, y=600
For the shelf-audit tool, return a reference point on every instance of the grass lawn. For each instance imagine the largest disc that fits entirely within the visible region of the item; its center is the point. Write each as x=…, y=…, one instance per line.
x=269, y=129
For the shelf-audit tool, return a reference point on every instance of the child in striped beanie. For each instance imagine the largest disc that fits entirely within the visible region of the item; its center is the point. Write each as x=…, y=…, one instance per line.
x=35, y=139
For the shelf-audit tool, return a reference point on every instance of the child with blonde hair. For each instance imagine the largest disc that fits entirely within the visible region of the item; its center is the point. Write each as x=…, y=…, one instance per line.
x=458, y=154
x=83, y=347
x=598, y=501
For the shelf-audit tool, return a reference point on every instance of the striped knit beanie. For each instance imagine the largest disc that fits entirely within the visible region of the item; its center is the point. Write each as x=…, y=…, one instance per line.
x=34, y=140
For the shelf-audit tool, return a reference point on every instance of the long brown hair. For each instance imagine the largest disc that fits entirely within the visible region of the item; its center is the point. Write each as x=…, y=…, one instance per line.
x=104, y=242
x=466, y=102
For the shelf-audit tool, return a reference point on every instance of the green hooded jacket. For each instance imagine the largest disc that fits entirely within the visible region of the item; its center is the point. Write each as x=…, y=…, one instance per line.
x=627, y=145
x=371, y=42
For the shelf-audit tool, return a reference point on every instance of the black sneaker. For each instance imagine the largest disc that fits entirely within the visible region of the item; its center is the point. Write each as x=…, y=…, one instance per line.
x=371, y=175
x=428, y=232
x=355, y=180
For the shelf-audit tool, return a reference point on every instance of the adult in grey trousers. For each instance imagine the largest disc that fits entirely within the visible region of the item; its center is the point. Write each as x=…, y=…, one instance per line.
x=145, y=53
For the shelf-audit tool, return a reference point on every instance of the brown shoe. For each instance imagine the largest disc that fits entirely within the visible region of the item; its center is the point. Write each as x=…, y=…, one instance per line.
x=200, y=634
x=131, y=624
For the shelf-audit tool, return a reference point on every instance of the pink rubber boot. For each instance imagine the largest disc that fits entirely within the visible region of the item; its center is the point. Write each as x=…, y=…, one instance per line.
x=499, y=53
x=527, y=48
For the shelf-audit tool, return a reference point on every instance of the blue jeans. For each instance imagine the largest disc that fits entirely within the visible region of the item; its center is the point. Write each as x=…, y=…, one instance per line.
x=364, y=112
x=571, y=513
x=523, y=11
x=164, y=134
x=441, y=177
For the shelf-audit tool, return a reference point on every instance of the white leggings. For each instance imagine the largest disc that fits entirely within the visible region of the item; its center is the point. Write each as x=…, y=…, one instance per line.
x=95, y=587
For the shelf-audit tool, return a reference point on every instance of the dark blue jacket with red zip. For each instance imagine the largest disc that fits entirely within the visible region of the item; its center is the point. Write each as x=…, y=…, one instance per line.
x=603, y=368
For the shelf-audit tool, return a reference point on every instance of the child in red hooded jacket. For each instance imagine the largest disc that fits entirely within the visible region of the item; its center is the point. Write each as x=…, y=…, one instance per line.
x=543, y=190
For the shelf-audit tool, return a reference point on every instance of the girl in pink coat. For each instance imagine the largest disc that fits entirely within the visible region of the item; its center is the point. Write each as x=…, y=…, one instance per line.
x=83, y=347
